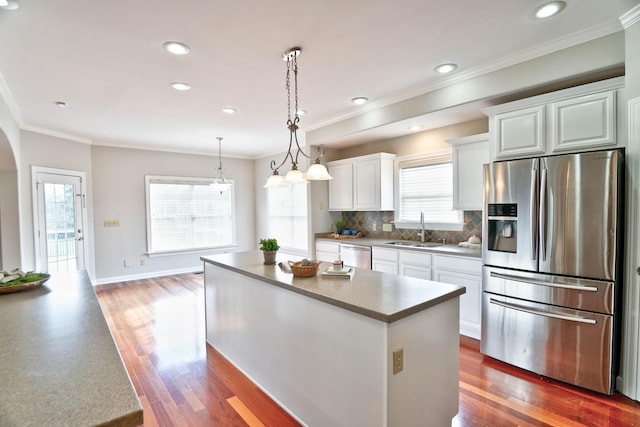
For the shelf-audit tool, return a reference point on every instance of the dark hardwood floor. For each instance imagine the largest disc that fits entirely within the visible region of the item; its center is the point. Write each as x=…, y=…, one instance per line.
x=158, y=325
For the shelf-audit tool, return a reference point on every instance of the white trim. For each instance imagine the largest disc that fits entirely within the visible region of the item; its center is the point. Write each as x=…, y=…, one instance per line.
x=631, y=17
x=57, y=134
x=628, y=382
x=5, y=93
x=148, y=275
x=88, y=248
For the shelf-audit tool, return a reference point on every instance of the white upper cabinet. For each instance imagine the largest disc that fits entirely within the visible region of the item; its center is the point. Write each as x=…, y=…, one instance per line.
x=362, y=183
x=469, y=154
x=571, y=120
x=585, y=121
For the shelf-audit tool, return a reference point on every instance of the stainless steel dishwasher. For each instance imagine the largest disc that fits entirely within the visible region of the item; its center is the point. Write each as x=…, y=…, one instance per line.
x=358, y=256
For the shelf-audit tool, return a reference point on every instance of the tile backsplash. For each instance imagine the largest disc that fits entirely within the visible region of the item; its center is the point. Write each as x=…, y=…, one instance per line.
x=363, y=221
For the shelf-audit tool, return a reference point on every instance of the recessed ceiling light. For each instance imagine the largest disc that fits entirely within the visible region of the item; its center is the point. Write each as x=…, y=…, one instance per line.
x=9, y=5
x=301, y=112
x=61, y=104
x=176, y=48
x=445, y=68
x=415, y=128
x=360, y=100
x=550, y=9
x=228, y=110
x=180, y=86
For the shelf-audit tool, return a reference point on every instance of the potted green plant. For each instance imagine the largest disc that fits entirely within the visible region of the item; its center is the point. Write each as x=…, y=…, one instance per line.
x=269, y=248
x=339, y=227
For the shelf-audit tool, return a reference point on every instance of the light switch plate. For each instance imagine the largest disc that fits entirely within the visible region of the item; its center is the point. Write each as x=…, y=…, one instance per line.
x=387, y=227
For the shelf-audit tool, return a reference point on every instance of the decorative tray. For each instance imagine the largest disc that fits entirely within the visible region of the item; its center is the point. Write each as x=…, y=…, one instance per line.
x=345, y=236
x=30, y=281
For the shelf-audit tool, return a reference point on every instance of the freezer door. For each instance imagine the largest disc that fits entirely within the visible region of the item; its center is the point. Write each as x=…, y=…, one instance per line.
x=579, y=214
x=569, y=345
x=510, y=214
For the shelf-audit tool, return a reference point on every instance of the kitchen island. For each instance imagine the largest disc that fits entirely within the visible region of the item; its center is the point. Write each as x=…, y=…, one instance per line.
x=323, y=348
x=59, y=365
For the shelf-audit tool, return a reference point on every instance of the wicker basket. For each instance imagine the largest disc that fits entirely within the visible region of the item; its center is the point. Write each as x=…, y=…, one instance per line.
x=303, y=270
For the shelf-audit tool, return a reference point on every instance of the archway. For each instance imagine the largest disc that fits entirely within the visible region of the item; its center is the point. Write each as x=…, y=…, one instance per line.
x=9, y=207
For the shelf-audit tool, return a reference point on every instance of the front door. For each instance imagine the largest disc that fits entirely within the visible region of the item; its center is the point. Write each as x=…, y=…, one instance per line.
x=60, y=235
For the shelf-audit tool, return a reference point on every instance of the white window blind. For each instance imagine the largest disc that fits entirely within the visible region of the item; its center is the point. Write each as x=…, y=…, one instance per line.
x=426, y=185
x=288, y=221
x=187, y=214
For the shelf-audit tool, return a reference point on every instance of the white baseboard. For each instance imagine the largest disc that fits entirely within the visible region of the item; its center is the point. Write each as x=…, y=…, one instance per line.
x=147, y=275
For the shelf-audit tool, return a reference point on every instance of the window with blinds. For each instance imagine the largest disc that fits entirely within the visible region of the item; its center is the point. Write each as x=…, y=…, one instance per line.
x=426, y=185
x=187, y=214
x=288, y=219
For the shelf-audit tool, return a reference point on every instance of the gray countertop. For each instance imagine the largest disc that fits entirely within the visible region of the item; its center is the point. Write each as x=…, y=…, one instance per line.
x=59, y=365
x=384, y=243
x=381, y=296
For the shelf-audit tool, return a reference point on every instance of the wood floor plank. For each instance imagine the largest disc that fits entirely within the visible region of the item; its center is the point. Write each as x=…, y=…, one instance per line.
x=158, y=326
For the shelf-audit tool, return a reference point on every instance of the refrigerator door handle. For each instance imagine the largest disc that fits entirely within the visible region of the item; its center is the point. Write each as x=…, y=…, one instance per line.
x=543, y=313
x=543, y=213
x=542, y=283
x=533, y=206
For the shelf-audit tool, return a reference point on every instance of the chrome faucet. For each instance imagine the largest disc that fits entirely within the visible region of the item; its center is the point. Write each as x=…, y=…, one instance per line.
x=421, y=234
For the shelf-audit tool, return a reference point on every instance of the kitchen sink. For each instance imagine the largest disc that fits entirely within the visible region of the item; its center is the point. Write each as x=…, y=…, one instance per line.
x=414, y=244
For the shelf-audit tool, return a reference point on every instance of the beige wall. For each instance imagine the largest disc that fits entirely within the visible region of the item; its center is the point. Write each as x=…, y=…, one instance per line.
x=119, y=194
x=420, y=142
x=48, y=151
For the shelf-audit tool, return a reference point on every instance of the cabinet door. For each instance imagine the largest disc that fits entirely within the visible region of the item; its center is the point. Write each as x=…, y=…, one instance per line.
x=341, y=187
x=416, y=271
x=519, y=133
x=468, y=186
x=366, y=193
x=470, y=301
x=583, y=122
x=327, y=251
x=384, y=266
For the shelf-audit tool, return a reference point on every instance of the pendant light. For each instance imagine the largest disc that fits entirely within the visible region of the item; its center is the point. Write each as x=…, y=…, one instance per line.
x=220, y=183
x=317, y=171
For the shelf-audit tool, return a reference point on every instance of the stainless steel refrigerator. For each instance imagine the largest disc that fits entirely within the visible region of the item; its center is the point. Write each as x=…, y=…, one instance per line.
x=552, y=255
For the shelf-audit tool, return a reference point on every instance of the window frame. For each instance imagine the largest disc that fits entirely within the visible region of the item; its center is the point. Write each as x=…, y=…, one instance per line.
x=166, y=179
x=416, y=159
x=287, y=249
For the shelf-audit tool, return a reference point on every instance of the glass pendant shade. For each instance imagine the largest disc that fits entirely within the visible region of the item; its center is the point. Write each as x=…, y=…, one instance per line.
x=317, y=172
x=275, y=180
x=294, y=176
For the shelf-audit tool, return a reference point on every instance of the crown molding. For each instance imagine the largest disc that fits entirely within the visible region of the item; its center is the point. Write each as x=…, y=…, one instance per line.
x=5, y=93
x=56, y=134
x=631, y=17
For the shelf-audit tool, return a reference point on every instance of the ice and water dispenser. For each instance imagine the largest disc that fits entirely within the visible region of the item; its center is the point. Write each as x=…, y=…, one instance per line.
x=502, y=227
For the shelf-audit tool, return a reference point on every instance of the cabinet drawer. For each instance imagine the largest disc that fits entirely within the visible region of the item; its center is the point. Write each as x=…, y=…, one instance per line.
x=469, y=265
x=327, y=247
x=384, y=254
x=416, y=258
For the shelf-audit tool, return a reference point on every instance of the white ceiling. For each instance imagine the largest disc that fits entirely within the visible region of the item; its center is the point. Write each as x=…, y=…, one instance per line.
x=105, y=60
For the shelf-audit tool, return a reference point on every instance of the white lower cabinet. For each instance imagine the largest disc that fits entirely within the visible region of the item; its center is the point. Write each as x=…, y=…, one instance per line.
x=384, y=260
x=415, y=264
x=465, y=272
x=327, y=251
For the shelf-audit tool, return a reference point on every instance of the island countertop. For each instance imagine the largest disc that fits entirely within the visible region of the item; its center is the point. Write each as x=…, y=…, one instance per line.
x=59, y=365
x=381, y=296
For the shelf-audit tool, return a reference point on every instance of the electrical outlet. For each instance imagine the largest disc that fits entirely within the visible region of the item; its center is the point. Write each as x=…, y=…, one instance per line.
x=143, y=261
x=387, y=227
x=321, y=206
x=398, y=362
x=374, y=226
x=126, y=263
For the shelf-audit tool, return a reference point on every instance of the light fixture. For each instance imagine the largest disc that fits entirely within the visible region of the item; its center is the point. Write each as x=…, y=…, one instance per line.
x=445, y=68
x=9, y=5
x=228, y=110
x=294, y=176
x=182, y=86
x=176, y=48
x=549, y=9
x=61, y=104
x=415, y=128
x=220, y=183
x=360, y=100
